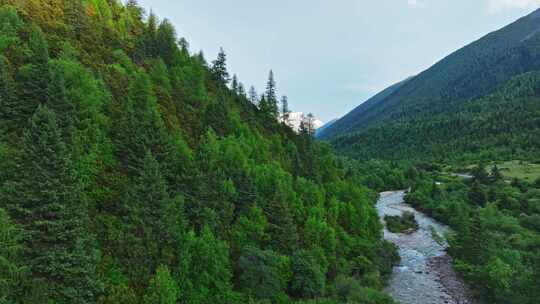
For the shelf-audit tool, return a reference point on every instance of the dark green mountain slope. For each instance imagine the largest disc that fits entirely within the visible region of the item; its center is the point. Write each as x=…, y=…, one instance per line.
x=499, y=125
x=471, y=72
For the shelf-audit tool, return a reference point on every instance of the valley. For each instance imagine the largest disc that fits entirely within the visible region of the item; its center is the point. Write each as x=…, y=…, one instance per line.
x=136, y=169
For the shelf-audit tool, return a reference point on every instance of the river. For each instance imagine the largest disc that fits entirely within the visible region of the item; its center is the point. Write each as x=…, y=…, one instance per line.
x=425, y=274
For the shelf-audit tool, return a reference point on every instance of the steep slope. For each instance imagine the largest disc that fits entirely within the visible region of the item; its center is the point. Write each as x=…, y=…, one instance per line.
x=470, y=72
x=503, y=124
x=132, y=171
x=321, y=129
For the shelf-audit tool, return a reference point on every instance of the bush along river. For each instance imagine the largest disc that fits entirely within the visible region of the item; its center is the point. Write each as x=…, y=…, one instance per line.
x=425, y=274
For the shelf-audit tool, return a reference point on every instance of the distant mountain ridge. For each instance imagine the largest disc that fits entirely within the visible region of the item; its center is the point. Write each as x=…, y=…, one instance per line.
x=325, y=126
x=470, y=72
x=348, y=122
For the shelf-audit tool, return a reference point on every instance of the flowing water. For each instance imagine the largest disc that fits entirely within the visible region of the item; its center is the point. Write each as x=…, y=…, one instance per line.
x=425, y=274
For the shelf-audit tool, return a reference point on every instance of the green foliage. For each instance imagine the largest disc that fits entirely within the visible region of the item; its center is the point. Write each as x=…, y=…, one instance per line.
x=162, y=288
x=11, y=269
x=494, y=242
x=33, y=77
x=479, y=105
x=308, y=276
x=520, y=169
x=262, y=273
x=45, y=201
x=475, y=129
x=10, y=24
x=405, y=223
x=8, y=102
x=219, y=68
x=269, y=104
x=206, y=271
x=350, y=290
x=132, y=173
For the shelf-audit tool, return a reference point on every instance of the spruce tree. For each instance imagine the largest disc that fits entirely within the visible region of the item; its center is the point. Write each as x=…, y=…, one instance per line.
x=33, y=78
x=57, y=101
x=184, y=45
x=285, y=110
x=149, y=37
x=149, y=199
x=241, y=90
x=76, y=17
x=155, y=221
x=283, y=233
x=58, y=248
x=474, y=240
x=12, y=269
x=10, y=108
x=39, y=47
x=162, y=289
x=270, y=96
x=234, y=84
x=253, y=96
x=141, y=127
x=264, y=107
x=167, y=47
x=477, y=195
x=219, y=68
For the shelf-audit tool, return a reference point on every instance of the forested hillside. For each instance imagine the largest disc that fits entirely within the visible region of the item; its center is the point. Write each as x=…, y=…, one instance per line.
x=441, y=97
x=496, y=229
x=134, y=171
x=502, y=125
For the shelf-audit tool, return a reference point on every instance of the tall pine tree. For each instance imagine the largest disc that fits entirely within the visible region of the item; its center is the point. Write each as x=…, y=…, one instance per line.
x=253, y=96
x=271, y=97
x=285, y=112
x=162, y=289
x=12, y=269
x=33, y=78
x=219, y=68
x=271, y=107
x=76, y=17
x=59, y=249
x=142, y=127
x=9, y=106
x=57, y=101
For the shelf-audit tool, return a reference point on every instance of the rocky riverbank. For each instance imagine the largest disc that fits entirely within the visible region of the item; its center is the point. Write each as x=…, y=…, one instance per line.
x=425, y=274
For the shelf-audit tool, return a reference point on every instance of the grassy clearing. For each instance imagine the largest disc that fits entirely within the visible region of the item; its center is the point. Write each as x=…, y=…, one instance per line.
x=520, y=170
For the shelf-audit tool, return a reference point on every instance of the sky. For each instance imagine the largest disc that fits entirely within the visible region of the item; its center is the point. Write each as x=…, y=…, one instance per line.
x=328, y=56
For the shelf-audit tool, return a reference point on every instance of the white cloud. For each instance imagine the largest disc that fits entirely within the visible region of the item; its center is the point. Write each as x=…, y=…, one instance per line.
x=496, y=6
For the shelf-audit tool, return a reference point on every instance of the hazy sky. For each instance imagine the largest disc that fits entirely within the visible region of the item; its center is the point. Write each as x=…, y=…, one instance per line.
x=330, y=55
